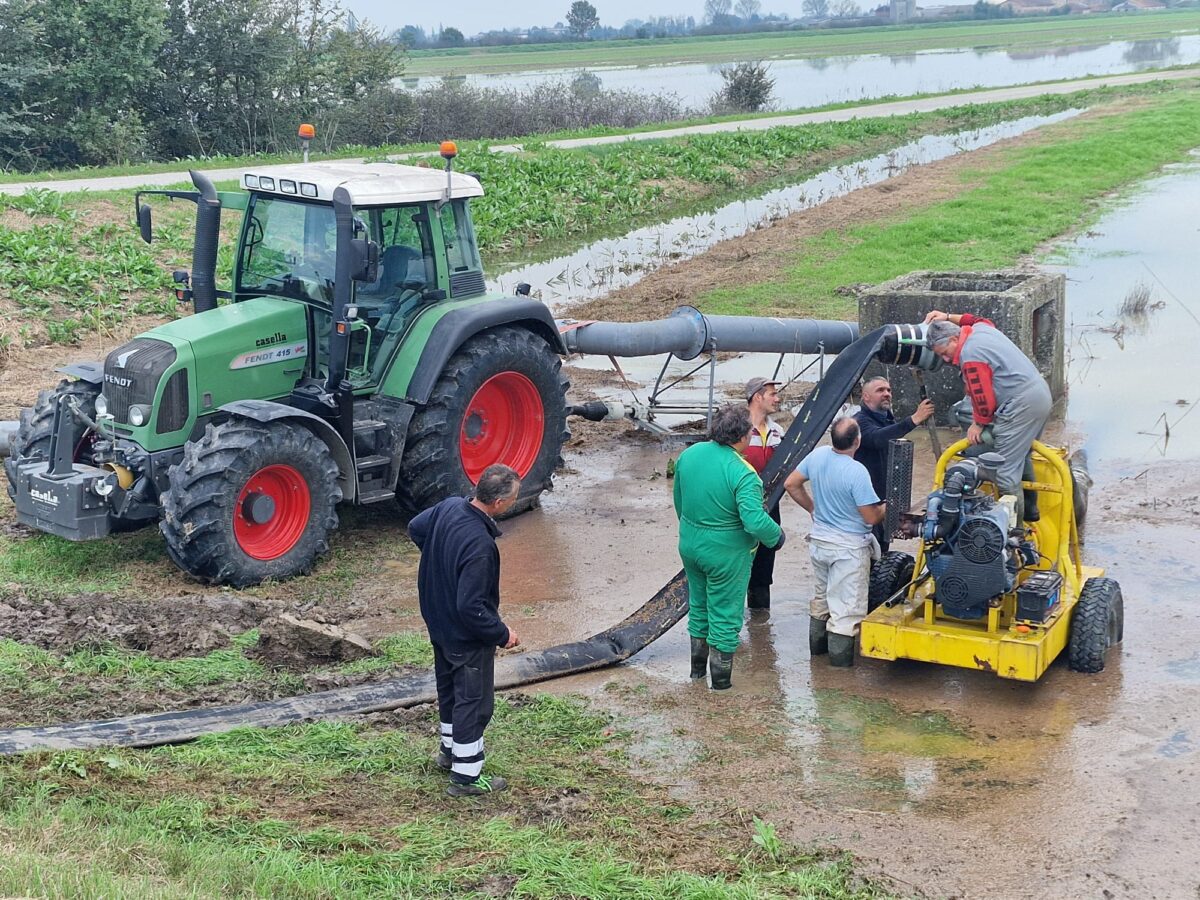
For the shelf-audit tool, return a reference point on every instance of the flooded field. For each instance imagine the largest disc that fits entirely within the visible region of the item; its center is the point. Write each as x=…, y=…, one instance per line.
x=802, y=83
x=955, y=782
x=606, y=265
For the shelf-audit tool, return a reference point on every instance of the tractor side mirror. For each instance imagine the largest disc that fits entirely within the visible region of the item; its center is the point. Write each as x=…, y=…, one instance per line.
x=364, y=260
x=143, y=217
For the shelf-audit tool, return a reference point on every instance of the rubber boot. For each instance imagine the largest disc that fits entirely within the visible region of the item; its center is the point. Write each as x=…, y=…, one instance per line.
x=759, y=596
x=699, y=657
x=818, y=636
x=841, y=650
x=720, y=669
x=1031, y=513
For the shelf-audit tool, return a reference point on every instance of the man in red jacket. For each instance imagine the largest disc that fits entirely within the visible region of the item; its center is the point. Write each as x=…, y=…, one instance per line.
x=762, y=399
x=459, y=586
x=1007, y=391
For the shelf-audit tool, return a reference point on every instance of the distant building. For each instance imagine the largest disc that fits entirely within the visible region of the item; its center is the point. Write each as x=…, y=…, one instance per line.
x=901, y=10
x=946, y=12
x=1139, y=6
x=1032, y=7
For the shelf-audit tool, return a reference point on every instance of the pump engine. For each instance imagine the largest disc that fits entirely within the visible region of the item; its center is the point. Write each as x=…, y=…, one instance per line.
x=966, y=533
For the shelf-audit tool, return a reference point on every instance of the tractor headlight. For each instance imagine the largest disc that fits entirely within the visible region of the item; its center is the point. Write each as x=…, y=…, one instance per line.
x=101, y=406
x=139, y=415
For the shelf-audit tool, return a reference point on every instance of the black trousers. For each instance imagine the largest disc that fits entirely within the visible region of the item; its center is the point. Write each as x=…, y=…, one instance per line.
x=763, y=569
x=466, y=688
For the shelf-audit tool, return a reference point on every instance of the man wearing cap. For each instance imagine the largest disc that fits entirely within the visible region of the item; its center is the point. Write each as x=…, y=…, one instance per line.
x=878, y=428
x=762, y=399
x=1007, y=391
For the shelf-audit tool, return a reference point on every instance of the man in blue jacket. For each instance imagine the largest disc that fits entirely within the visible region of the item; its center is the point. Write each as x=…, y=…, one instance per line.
x=878, y=427
x=459, y=585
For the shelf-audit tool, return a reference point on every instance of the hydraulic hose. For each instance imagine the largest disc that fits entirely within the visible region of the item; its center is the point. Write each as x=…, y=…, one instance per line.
x=611, y=646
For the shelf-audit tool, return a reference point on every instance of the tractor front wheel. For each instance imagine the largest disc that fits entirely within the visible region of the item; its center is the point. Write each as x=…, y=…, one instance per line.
x=251, y=501
x=501, y=399
x=1097, y=623
x=37, y=424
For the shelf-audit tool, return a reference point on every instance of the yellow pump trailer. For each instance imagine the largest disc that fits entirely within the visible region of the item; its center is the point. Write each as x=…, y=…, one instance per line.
x=1086, y=619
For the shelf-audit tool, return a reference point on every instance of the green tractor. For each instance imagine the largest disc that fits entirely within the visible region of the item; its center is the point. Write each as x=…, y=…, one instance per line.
x=359, y=359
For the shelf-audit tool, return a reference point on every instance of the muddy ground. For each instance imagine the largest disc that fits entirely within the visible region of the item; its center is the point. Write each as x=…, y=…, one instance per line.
x=948, y=782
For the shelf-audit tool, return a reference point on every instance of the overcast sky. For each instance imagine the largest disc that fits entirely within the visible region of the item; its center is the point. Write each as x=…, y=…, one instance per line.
x=473, y=16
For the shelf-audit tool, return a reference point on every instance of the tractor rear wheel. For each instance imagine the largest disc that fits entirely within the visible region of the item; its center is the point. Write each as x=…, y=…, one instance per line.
x=889, y=573
x=1098, y=622
x=501, y=399
x=37, y=424
x=251, y=501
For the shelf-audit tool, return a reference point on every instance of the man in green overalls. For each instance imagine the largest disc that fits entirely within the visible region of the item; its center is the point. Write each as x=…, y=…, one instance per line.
x=719, y=501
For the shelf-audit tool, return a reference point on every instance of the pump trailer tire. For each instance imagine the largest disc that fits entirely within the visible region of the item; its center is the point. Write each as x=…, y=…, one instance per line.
x=1097, y=623
x=501, y=399
x=889, y=573
x=251, y=501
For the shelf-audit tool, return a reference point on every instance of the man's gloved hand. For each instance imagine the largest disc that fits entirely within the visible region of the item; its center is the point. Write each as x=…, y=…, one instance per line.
x=782, y=540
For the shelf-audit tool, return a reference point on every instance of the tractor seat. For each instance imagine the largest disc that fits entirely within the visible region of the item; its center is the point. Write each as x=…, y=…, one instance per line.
x=398, y=265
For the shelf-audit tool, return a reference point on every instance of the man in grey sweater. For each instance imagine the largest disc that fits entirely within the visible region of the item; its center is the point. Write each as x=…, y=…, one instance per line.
x=1007, y=392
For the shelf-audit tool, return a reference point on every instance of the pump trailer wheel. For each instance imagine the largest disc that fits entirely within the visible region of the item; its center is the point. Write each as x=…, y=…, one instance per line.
x=1098, y=623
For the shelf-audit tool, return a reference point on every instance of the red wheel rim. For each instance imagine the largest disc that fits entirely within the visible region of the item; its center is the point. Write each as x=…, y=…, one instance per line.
x=271, y=512
x=504, y=423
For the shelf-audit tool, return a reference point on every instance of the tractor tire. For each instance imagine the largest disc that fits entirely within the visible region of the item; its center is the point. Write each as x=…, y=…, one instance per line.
x=1098, y=622
x=37, y=423
x=501, y=399
x=251, y=501
x=889, y=573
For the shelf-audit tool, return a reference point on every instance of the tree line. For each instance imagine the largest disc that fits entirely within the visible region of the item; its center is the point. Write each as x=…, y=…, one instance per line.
x=96, y=82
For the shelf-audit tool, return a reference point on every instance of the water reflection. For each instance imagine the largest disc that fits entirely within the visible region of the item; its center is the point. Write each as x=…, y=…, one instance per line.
x=871, y=75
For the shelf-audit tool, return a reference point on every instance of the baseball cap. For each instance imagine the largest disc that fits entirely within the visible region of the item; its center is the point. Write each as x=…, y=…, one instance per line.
x=754, y=385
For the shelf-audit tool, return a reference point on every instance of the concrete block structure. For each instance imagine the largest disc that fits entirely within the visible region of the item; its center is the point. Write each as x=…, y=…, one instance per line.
x=1028, y=306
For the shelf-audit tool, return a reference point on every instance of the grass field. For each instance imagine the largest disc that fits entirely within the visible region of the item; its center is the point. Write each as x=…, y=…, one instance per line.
x=1004, y=34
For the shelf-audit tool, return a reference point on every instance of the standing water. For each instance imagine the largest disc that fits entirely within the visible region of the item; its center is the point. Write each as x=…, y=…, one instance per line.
x=1134, y=324
x=819, y=81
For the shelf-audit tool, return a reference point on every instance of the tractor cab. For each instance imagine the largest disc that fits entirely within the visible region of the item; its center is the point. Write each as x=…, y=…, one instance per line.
x=425, y=246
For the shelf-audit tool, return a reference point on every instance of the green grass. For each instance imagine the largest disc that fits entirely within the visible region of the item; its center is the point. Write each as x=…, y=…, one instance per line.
x=997, y=34
x=1004, y=214
x=52, y=566
x=338, y=810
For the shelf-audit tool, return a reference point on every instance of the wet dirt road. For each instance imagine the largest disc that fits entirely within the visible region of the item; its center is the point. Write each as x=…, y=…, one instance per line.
x=951, y=782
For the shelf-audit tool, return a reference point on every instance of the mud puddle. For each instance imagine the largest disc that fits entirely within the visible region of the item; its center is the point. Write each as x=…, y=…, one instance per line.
x=606, y=265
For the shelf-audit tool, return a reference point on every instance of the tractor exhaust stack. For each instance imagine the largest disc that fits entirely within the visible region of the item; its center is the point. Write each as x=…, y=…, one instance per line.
x=204, y=254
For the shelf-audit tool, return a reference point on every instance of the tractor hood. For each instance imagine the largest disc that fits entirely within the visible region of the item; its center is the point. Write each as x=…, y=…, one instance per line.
x=254, y=350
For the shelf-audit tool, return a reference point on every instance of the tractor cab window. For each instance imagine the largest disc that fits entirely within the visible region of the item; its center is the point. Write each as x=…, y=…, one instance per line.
x=462, y=255
x=407, y=273
x=290, y=250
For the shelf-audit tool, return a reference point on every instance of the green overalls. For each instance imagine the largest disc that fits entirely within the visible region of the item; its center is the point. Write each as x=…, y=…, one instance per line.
x=719, y=501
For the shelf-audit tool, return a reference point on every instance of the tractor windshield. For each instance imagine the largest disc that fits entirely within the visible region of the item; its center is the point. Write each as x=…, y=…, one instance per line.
x=289, y=249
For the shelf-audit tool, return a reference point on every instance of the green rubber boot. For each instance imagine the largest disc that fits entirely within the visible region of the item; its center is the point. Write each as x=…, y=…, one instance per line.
x=818, y=636
x=720, y=669
x=699, y=657
x=841, y=650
